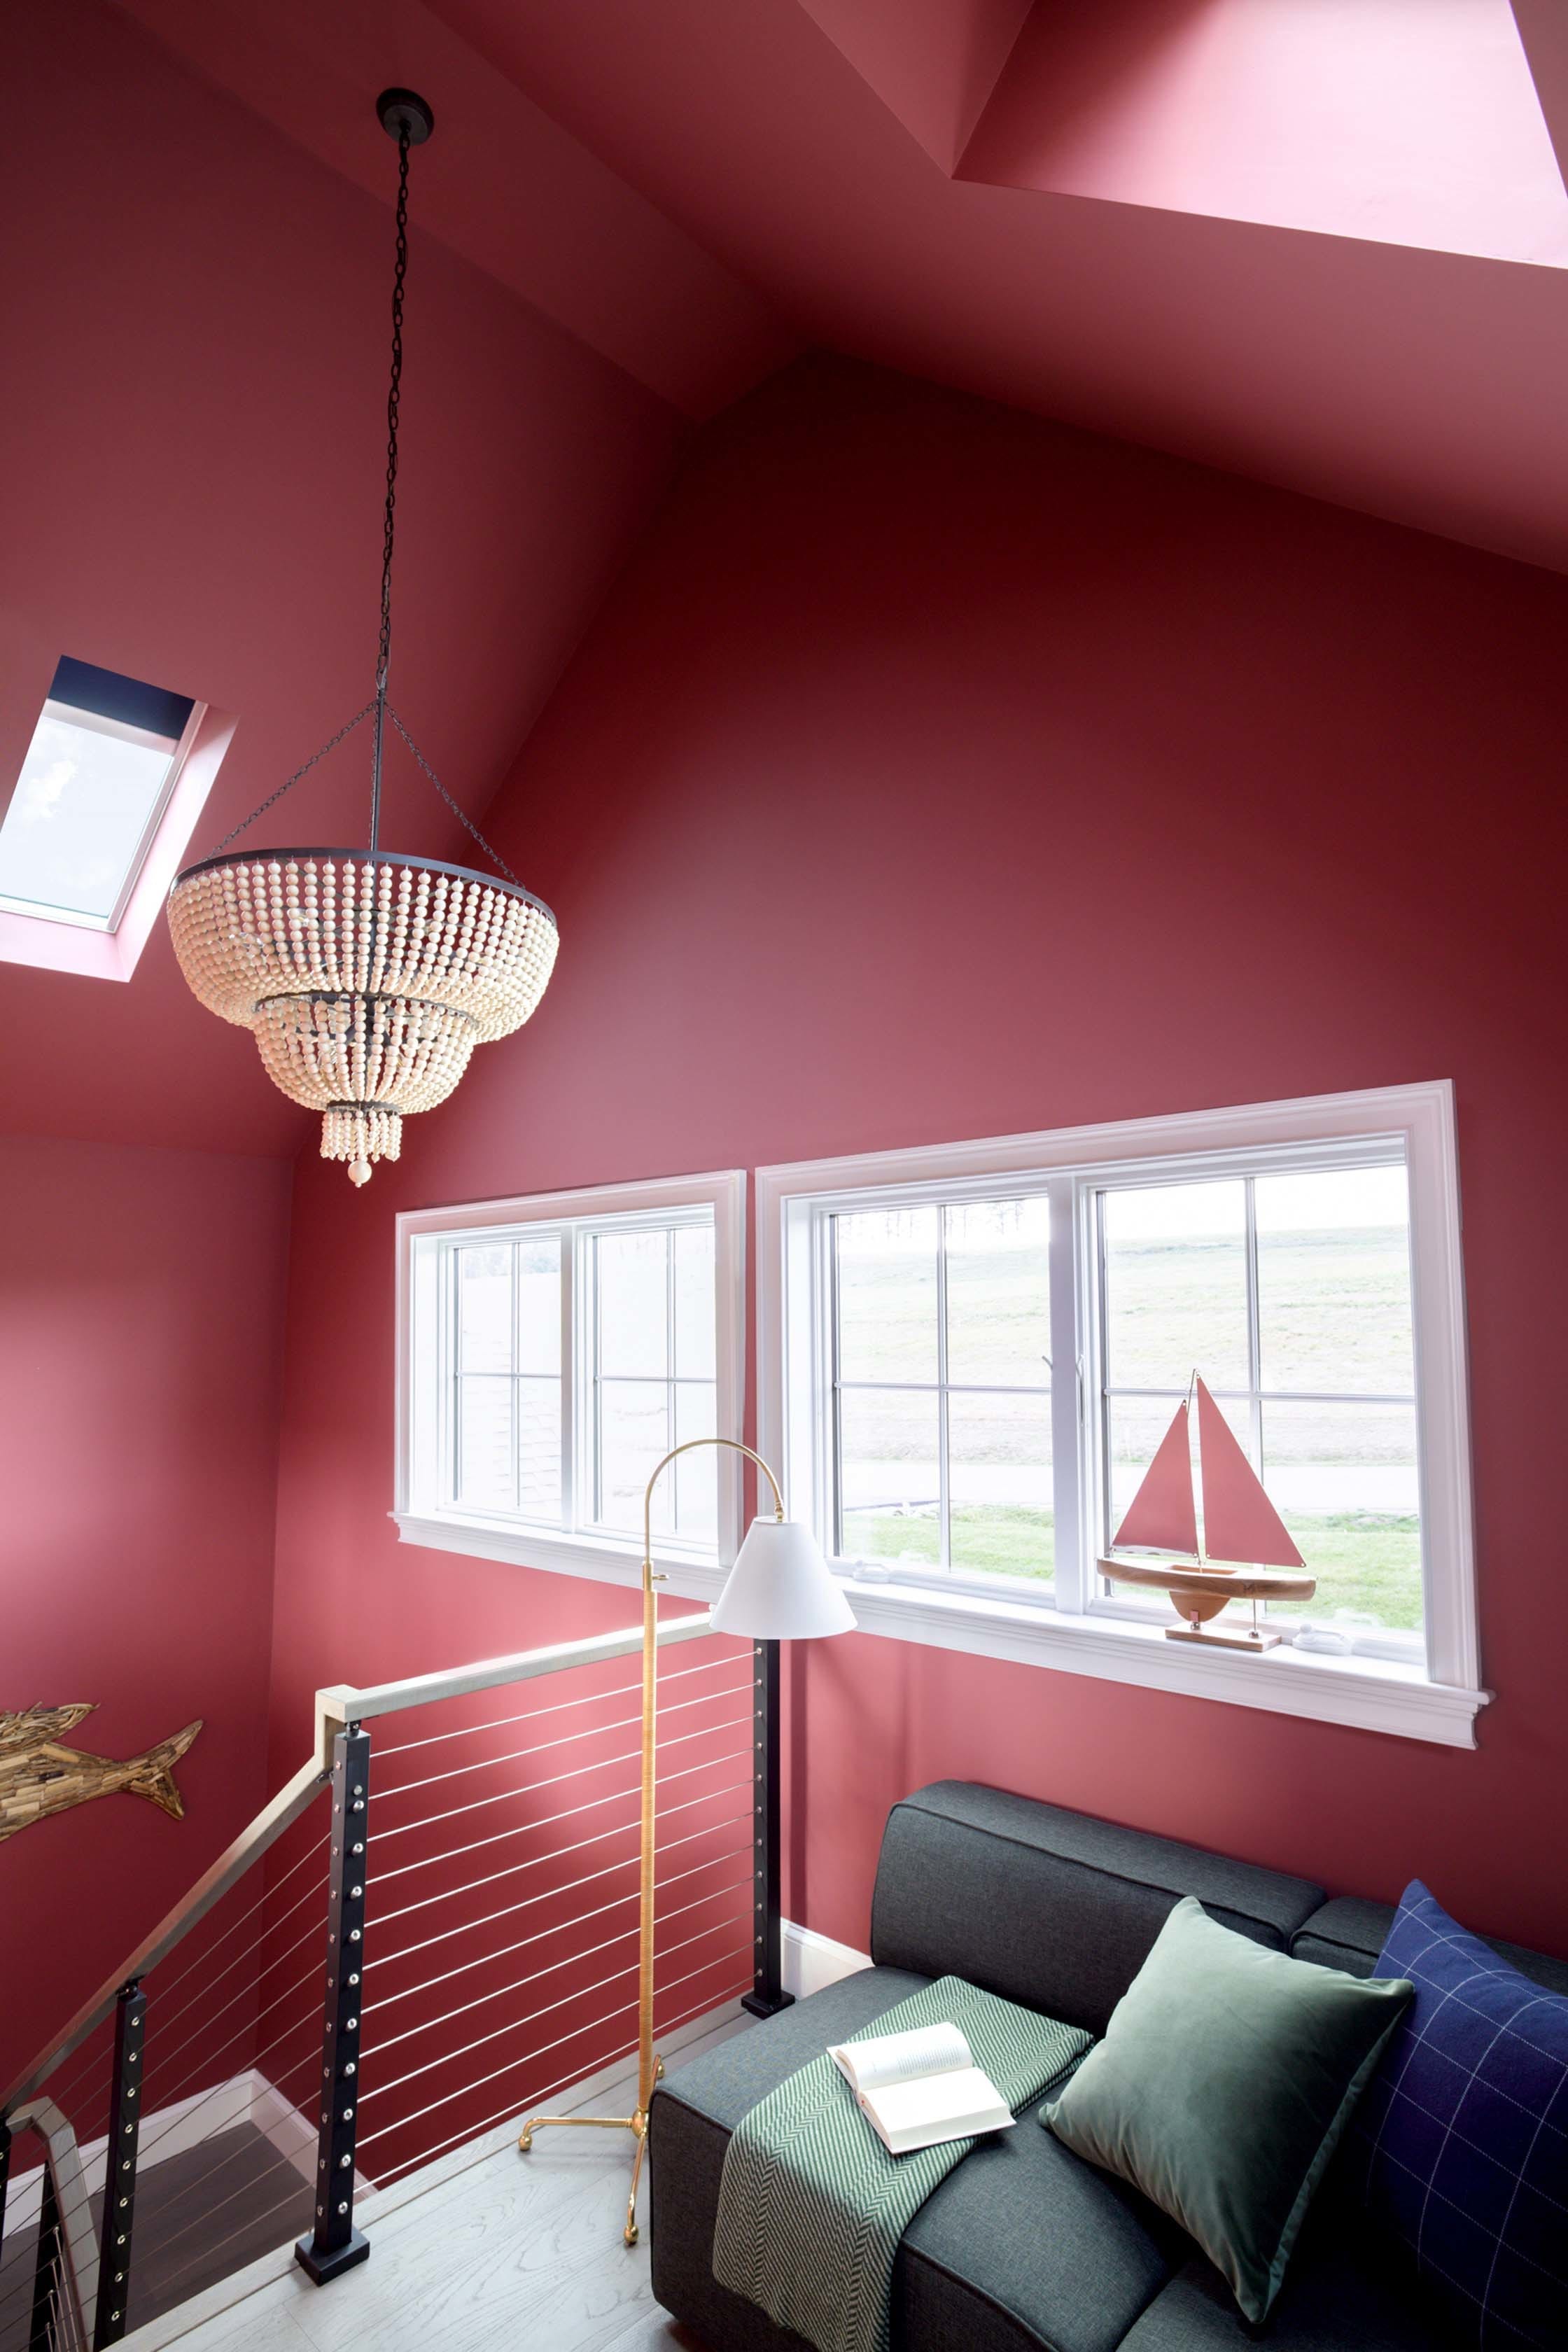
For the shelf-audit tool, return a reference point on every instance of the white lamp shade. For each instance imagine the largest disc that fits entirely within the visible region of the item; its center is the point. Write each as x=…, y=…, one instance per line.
x=781, y=1588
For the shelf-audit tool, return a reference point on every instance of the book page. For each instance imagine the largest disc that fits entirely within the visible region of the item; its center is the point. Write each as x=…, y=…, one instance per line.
x=953, y=2106
x=901, y=2057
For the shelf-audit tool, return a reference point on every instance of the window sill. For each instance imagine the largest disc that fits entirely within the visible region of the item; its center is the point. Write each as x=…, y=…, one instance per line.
x=1372, y=1694
x=602, y=1560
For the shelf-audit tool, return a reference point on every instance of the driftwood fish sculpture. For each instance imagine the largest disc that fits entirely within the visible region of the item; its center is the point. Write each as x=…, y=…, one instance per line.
x=37, y=1776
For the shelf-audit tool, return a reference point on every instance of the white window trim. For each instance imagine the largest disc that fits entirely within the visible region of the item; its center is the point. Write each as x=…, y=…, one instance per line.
x=1435, y=1697
x=604, y=1560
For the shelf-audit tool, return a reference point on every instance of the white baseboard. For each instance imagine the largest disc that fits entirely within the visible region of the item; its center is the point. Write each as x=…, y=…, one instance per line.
x=809, y=1961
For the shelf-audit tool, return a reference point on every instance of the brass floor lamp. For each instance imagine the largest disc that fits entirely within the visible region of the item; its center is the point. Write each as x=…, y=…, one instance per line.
x=780, y=1590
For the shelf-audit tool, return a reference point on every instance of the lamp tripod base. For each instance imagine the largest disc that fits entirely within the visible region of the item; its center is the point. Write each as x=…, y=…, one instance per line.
x=636, y=2125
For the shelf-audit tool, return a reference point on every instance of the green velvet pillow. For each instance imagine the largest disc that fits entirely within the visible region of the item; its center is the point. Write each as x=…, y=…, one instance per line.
x=1226, y=2077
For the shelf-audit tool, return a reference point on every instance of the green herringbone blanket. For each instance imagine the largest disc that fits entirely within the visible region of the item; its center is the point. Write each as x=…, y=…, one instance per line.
x=812, y=2206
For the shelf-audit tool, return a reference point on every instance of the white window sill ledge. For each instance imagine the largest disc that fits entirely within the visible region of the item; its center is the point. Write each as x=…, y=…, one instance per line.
x=1374, y=1694
x=1371, y=1694
x=601, y=1558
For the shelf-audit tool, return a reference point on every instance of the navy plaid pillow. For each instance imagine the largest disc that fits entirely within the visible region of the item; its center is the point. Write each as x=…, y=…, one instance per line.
x=1461, y=2141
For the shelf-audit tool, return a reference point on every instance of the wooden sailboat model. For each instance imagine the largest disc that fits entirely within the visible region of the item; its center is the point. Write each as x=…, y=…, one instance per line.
x=1240, y=1524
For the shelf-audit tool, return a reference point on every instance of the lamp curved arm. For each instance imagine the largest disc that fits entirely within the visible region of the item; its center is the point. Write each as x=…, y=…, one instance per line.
x=691, y=1446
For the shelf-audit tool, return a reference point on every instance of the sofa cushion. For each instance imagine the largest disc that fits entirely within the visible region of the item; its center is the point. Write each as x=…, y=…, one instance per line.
x=1462, y=2145
x=1050, y=1907
x=1350, y=1932
x=1224, y=2084
x=1021, y=2249
x=1335, y=2299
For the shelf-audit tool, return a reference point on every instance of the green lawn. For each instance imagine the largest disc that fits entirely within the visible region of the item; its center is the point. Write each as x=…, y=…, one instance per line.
x=1365, y=1564
x=988, y=1539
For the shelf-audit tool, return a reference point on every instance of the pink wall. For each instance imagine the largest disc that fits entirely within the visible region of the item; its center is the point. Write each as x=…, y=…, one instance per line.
x=933, y=773
x=141, y=1315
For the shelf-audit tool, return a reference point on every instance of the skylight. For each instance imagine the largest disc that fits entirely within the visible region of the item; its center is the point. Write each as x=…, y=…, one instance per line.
x=97, y=778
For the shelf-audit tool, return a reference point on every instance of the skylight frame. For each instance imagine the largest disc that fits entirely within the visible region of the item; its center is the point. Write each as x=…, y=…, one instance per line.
x=179, y=747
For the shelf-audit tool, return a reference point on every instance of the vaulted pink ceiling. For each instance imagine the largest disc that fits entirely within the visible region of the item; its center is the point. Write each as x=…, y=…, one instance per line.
x=1209, y=300
x=1320, y=241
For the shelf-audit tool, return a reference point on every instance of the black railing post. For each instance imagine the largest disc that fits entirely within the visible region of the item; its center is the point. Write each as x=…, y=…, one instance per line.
x=120, y=2166
x=46, y=2268
x=5, y=2175
x=767, y=1995
x=334, y=2244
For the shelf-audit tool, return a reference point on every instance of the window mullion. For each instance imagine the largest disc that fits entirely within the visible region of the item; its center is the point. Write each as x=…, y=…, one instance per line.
x=1254, y=1326
x=448, y=1377
x=568, y=1381
x=944, y=1485
x=836, y=1433
x=590, y=1386
x=514, y=1399
x=1068, y=1297
x=671, y=1432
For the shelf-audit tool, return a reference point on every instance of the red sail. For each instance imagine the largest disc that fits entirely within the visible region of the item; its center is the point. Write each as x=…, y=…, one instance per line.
x=1240, y=1523
x=1163, y=1514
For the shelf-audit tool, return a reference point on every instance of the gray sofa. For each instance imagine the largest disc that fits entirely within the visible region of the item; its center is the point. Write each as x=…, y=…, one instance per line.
x=1024, y=2248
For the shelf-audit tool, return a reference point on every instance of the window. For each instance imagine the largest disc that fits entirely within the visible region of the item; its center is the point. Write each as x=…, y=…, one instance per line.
x=969, y=1356
x=940, y=1332
x=1291, y=1292
x=553, y=1352
x=95, y=782
x=115, y=777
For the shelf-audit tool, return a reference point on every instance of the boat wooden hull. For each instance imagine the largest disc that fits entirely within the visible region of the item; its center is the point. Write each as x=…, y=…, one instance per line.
x=1199, y=1594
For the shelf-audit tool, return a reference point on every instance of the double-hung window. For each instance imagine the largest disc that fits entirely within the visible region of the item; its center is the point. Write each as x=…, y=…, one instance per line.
x=552, y=1351
x=969, y=1356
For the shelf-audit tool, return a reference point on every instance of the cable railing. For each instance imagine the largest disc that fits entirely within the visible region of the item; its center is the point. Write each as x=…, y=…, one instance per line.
x=464, y=1849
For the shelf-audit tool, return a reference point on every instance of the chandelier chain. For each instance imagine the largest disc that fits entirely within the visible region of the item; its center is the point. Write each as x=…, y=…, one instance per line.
x=272, y=798
x=393, y=398
x=461, y=814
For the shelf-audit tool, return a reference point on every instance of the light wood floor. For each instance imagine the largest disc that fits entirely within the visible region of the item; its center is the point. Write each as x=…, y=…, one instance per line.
x=485, y=2248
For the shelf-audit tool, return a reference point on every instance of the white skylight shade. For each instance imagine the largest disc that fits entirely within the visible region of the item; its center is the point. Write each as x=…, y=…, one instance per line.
x=83, y=811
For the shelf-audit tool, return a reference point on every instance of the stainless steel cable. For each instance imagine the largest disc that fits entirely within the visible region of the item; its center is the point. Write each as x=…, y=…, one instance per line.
x=509, y=1910
x=178, y=2122
x=168, y=1984
x=545, y=1821
x=531, y=1787
x=621, y=2010
x=163, y=2020
x=514, y=1755
x=552, y=1968
x=160, y=2059
x=581, y=1918
x=622, y=1829
x=512, y=2114
x=585, y=1698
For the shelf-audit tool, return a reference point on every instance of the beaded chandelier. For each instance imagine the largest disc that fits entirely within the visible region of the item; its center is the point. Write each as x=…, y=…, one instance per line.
x=367, y=979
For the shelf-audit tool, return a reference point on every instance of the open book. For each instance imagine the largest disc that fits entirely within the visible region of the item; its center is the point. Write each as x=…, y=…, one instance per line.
x=921, y=2087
